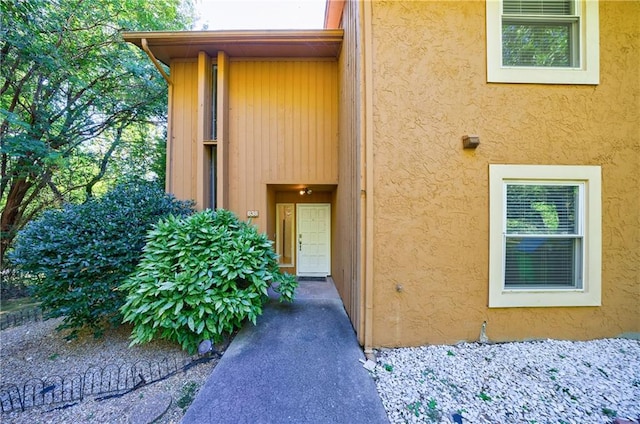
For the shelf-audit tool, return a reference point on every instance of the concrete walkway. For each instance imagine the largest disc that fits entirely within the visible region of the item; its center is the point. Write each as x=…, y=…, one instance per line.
x=299, y=364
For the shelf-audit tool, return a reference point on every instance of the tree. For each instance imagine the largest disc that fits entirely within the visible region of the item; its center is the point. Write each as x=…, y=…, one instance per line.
x=74, y=96
x=82, y=252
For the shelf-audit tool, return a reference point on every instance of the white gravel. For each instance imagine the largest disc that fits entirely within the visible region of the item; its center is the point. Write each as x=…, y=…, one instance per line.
x=547, y=381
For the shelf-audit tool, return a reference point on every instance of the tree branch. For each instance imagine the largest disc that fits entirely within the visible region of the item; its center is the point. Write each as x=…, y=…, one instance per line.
x=105, y=161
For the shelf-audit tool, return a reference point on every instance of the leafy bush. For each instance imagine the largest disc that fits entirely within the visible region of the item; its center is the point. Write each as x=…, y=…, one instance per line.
x=200, y=277
x=82, y=253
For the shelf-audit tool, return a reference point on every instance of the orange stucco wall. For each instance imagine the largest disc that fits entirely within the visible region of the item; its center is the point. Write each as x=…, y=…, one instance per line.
x=431, y=196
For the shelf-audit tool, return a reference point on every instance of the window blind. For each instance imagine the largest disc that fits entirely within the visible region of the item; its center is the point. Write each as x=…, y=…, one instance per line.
x=542, y=263
x=541, y=209
x=540, y=33
x=544, y=44
x=537, y=7
x=543, y=240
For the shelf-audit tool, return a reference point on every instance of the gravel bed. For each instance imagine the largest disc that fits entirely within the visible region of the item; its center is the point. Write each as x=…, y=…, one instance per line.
x=547, y=381
x=37, y=350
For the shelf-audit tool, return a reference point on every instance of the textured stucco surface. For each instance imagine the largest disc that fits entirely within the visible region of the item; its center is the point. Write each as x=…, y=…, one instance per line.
x=431, y=196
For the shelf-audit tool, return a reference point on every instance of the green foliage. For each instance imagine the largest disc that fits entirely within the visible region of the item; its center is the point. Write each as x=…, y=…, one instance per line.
x=414, y=408
x=79, y=107
x=187, y=394
x=485, y=397
x=430, y=410
x=82, y=253
x=199, y=278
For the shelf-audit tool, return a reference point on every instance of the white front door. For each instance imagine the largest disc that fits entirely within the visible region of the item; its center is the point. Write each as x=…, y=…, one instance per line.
x=314, y=239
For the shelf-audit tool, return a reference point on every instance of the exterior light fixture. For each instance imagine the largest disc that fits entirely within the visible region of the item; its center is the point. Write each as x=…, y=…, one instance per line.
x=305, y=190
x=470, y=141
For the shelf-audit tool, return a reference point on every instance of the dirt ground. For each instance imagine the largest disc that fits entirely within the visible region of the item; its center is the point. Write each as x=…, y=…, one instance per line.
x=35, y=350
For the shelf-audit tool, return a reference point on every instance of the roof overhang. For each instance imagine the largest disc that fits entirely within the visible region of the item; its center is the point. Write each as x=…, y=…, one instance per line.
x=333, y=13
x=169, y=45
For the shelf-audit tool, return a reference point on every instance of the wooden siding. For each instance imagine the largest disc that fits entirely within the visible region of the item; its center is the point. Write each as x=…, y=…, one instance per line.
x=346, y=260
x=222, y=117
x=204, y=123
x=181, y=151
x=282, y=128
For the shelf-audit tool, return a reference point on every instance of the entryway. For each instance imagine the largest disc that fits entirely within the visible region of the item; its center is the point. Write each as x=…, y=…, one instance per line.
x=300, y=225
x=313, y=239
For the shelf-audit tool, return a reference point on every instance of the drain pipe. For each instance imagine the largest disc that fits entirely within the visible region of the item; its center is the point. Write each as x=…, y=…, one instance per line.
x=156, y=63
x=367, y=55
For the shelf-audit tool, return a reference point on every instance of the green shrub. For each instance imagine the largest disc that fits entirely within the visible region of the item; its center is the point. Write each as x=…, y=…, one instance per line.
x=199, y=278
x=82, y=253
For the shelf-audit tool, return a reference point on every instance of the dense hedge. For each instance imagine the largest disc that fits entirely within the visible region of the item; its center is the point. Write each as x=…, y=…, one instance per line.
x=82, y=253
x=200, y=277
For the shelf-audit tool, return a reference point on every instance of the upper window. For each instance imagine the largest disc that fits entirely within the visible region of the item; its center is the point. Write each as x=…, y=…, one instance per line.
x=545, y=236
x=543, y=41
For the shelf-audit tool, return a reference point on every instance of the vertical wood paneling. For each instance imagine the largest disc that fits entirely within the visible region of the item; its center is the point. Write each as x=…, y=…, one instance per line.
x=203, y=130
x=274, y=160
x=282, y=113
x=287, y=141
x=281, y=128
x=181, y=180
x=304, y=118
x=347, y=253
x=222, y=118
x=265, y=127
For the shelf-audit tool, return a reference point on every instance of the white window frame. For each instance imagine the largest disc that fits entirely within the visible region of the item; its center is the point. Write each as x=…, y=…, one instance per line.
x=587, y=70
x=589, y=292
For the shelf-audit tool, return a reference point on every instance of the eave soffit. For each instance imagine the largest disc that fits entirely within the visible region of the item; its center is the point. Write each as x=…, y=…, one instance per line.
x=169, y=45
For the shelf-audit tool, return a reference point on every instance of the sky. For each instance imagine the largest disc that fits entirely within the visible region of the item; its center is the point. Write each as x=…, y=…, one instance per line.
x=260, y=14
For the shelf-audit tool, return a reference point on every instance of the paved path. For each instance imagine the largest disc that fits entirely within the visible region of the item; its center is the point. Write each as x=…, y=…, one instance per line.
x=299, y=364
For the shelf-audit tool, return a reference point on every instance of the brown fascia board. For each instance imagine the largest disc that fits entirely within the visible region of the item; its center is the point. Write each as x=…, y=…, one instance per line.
x=169, y=45
x=333, y=13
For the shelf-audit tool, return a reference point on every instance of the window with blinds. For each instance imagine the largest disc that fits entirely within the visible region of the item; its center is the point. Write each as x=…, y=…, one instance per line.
x=543, y=236
x=540, y=33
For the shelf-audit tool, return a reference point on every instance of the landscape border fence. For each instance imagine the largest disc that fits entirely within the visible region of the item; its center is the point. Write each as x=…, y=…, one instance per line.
x=22, y=316
x=102, y=382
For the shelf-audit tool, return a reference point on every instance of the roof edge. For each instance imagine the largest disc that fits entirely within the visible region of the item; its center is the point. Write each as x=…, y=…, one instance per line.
x=167, y=45
x=234, y=36
x=333, y=13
